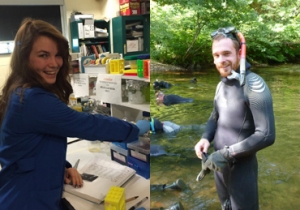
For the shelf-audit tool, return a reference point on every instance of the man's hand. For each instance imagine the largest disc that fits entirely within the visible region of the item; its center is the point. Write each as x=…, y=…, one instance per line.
x=73, y=177
x=201, y=146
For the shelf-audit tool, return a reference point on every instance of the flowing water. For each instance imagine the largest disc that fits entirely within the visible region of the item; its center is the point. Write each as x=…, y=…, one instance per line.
x=279, y=164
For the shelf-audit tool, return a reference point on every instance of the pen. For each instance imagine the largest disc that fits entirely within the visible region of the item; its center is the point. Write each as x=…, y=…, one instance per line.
x=138, y=204
x=76, y=164
x=131, y=199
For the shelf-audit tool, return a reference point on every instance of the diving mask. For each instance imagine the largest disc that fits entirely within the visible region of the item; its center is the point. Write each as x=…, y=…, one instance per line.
x=229, y=32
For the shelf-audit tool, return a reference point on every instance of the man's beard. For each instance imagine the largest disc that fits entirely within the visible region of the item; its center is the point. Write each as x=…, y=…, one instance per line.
x=225, y=73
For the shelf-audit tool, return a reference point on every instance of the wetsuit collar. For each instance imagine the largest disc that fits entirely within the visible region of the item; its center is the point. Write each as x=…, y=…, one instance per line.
x=233, y=81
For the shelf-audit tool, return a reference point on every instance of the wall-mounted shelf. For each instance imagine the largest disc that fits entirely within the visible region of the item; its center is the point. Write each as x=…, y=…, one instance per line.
x=119, y=109
x=141, y=107
x=77, y=41
x=136, y=78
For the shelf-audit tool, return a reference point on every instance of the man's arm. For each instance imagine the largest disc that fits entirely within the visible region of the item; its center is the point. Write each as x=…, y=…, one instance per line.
x=211, y=126
x=212, y=122
x=208, y=135
x=261, y=106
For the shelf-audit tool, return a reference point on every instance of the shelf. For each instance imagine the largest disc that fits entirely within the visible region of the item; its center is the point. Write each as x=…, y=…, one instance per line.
x=123, y=77
x=142, y=107
x=136, y=78
x=77, y=36
x=95, y=42
x=90, y=74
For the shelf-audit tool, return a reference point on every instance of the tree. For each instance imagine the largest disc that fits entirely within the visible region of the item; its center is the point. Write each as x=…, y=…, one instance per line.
x=180, y=29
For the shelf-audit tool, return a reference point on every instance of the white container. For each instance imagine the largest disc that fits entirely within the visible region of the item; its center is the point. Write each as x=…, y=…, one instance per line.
x=99, y=147
x=95, y=69
x=94, y=146
x=136, y=93
x=136, y=97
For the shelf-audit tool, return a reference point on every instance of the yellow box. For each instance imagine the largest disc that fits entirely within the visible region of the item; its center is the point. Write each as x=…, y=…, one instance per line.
x=133, y=64
x=115, y=199
x=116, y=66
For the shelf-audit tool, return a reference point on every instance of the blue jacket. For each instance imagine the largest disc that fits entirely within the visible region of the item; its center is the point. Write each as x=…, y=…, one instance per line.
x=33, y=142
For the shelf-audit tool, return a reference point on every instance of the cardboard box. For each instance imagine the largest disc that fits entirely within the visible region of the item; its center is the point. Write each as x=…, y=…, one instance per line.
x=130, y=8
x=88, y=28
x=128, y=12
x=80, y=17
x=80, y=30
x=127, y=1
x=145, y=8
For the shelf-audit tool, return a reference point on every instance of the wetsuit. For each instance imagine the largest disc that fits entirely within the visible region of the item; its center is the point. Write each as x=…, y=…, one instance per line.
x=157, y=85
x=175, y=99
x=242, y=119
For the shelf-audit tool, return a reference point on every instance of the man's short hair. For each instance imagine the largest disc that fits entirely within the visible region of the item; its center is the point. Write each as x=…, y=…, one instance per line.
x=236, y=44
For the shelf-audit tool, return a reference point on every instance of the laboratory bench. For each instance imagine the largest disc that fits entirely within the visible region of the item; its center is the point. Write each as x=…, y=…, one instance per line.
x=136, y=186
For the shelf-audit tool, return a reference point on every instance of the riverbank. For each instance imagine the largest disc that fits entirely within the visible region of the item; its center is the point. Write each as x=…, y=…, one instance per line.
x=156, y=66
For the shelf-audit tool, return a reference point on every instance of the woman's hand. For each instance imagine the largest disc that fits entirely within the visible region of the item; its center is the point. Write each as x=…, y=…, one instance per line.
x=73, y=177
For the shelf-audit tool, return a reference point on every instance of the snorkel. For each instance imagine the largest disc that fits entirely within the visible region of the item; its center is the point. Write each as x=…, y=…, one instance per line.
x=241, y=76
x=231, y=32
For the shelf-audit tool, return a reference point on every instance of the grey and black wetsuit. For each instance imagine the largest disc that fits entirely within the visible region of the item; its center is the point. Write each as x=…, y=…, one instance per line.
x=157, y=85
x=171, y=99
x=242, y=119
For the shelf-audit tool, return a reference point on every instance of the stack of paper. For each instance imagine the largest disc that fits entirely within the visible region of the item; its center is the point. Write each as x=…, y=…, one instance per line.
x=99, y=32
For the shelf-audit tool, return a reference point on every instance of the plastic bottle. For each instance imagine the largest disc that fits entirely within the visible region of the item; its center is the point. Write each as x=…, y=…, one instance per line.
x=77, y=107
x=72, y=100
x=140, y=68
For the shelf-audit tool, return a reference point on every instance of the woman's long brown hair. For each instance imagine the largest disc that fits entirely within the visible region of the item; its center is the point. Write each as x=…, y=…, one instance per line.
x=21, y=75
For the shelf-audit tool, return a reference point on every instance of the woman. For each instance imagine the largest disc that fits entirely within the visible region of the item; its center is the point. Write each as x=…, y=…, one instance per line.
x=36, y=120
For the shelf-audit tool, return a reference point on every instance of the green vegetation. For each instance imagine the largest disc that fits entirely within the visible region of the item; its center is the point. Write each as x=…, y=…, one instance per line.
x=180, y=29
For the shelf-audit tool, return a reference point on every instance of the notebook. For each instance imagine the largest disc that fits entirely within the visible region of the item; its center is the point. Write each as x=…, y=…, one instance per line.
x=108, y=174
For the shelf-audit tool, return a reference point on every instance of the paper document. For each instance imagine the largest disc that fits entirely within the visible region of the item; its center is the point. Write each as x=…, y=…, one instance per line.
x=109, y=174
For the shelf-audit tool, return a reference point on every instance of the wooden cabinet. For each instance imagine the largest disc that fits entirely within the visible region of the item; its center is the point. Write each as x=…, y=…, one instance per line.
x=131, y=34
